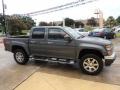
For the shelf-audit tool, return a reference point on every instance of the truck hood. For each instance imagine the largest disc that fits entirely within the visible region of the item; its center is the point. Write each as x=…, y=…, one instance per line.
x=95, y=40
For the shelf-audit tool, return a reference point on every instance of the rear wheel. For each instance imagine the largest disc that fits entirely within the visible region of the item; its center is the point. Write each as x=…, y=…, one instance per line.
x=20, y=56
x=91, y=64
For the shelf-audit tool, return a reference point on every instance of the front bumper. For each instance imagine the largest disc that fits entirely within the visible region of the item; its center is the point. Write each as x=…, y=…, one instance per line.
x=110, y=59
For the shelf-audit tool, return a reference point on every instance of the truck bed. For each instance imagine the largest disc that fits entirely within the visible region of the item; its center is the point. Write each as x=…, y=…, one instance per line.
x=16, y=40
x=19, y=37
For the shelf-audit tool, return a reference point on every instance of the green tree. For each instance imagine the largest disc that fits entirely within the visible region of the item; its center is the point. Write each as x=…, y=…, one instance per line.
x=2, y=23
x=28, y=21
x=110, y=22
x=79, y=24
x=69, y=22
x=1, y=19
x=92, y=22
x=51, y=24
x=15, y=25
x=118, y=20
x=43, y=24
x=25, y=19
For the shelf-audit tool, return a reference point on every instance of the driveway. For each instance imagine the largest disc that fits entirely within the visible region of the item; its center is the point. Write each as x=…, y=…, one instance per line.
x=14, y=76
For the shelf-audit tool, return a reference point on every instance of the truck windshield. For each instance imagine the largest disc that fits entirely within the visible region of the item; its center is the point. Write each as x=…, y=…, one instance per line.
x=73, y=33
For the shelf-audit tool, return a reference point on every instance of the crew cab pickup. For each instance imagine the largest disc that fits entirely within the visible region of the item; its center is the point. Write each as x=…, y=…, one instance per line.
x=62, y=45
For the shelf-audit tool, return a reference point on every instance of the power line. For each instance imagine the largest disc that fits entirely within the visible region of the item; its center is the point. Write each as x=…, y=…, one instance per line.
x=61, y=7
x=56, y=7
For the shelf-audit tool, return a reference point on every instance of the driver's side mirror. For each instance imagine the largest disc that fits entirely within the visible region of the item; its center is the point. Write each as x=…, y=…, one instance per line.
x=67, y=38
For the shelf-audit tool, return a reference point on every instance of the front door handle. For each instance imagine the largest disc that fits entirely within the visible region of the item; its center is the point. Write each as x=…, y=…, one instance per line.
x=50, y=42
x=33, y=42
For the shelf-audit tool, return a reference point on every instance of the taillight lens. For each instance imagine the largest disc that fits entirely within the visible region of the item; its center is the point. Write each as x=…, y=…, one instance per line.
x=100, y=33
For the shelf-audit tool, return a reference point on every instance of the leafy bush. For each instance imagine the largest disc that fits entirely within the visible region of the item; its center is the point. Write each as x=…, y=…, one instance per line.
x=118, y=35
x=88, y=28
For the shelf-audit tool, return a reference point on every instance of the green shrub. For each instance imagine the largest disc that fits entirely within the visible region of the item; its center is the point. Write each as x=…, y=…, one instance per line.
x=88, y=28
x=118, y=35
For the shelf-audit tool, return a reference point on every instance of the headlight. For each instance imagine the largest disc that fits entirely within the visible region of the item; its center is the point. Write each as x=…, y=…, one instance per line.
x=108, y=47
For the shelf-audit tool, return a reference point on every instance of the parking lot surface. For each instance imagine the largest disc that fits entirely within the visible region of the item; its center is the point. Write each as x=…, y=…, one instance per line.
x=19, y=77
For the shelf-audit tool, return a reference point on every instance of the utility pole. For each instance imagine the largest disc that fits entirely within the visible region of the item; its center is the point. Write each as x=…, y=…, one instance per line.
x=101, y=19
x=4, y=19
x=63, y=22
x=99, y=14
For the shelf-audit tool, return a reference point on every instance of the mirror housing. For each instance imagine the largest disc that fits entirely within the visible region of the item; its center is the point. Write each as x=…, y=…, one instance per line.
x=67, y=38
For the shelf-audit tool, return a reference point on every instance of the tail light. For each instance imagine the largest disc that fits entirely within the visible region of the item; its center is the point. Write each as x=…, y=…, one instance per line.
x=100, y=33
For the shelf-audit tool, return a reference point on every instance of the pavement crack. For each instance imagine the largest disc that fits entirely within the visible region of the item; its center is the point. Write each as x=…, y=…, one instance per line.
x=25, y=79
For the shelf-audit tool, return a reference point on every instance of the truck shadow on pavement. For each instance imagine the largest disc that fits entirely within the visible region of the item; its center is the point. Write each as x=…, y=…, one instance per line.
x=109, y=75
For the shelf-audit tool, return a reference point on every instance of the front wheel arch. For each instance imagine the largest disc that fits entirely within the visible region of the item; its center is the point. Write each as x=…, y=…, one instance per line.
x=90, y=51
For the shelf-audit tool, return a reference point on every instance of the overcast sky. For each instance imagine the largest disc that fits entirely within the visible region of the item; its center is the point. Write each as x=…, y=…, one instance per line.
x=108, y=7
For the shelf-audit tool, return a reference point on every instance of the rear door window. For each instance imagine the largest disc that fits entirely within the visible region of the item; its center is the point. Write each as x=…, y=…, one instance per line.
x=38, y=33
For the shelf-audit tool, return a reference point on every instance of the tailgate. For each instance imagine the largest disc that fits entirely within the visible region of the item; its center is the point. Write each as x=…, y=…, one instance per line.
x=7, y=44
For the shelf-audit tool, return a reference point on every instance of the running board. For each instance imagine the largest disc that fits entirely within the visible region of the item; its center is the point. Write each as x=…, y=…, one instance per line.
x=55, y=60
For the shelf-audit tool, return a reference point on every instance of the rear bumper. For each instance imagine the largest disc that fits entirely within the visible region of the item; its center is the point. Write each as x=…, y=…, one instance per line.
x=110, y=59
x=97, y=36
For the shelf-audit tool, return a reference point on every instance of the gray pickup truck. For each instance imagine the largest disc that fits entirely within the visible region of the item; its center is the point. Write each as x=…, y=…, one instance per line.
x=62, y=45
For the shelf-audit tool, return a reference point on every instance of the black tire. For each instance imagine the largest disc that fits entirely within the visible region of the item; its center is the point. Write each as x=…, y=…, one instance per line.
x=114, y=36
x=105, y=37
x=24, y=56
x=98, y=61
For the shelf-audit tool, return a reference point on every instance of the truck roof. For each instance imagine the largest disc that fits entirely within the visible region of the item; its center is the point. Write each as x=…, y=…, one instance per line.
x=48, y=27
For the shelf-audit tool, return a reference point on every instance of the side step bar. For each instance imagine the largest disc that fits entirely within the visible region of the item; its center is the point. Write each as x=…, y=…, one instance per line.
x=55, y=60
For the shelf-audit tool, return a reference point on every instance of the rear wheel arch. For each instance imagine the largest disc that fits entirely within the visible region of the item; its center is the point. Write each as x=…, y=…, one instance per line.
x=15, y=47
x=20, y=55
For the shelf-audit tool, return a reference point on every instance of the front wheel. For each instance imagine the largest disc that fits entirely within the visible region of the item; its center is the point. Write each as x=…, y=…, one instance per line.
x=91, y=64
x=105, y=37
x=20, y=56
x=114, y=36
